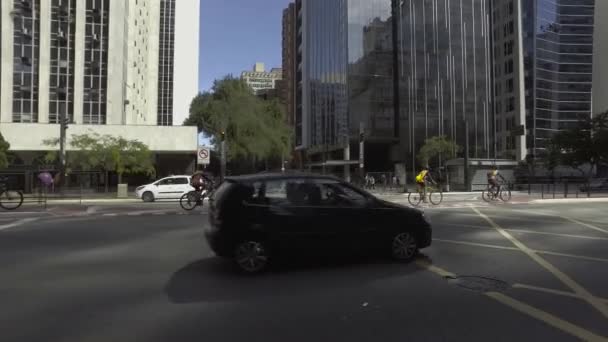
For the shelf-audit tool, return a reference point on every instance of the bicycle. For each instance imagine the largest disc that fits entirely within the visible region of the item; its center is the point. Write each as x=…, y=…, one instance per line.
x=435, y=196
x=9, y=199
x=492, y=194
x=194, y=198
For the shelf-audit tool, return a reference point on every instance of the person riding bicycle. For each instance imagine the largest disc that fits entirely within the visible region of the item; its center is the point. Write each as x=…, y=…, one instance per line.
x=200, y=182
x=493, y=183
x=423, y=178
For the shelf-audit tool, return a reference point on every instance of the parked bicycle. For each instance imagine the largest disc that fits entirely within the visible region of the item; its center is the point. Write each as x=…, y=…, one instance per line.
x=432, y=193
x=493, y=193
x=9, y=199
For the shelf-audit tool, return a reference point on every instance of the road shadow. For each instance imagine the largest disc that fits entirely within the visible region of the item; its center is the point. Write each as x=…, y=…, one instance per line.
x=215, y=279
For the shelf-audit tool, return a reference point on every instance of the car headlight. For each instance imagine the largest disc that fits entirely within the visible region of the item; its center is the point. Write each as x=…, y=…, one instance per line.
x=140, y=188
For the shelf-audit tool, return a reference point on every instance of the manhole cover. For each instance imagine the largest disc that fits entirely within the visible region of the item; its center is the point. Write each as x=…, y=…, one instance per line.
x=478, y=284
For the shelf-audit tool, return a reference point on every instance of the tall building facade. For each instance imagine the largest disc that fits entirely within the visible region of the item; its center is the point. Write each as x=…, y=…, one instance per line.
x=289, y=48
x=446, y=62
x=109, y=66
x=556, y=67
x=261, y=80
x=399, y=72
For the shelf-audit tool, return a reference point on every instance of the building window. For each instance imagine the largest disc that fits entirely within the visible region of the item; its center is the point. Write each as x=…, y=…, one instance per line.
x=61, y=90
x=165, y=63
x=96, y=62
x=509, y=67
x=26, y=54
x=510, y=85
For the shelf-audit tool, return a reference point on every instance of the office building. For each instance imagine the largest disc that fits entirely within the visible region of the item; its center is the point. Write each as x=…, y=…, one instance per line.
x=556, y=67
x=261, y=80
x=600, y=56
x=287, y=86
x=127, y=68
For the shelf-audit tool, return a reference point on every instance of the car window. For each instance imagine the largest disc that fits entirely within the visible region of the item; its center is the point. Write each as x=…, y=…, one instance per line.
x=166, y=181
x=334, y=193
x=181, y=180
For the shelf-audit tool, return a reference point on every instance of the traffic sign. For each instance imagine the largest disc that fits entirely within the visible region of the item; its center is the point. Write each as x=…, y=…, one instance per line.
x=203, y=156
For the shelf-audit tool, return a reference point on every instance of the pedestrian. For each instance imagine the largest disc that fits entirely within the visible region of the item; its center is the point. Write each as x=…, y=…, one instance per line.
x=394, y=182
x=383, y=180
x=372, y=182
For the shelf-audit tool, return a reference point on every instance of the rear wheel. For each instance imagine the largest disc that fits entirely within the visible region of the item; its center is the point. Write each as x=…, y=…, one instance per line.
x=404, y=246
x=11, y=200
x=189, y=201
x=251, y=256
x=487, y=195
x=414, y=198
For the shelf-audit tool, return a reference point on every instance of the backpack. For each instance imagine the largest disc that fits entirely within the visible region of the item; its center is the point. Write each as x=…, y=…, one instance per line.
x=421, y=176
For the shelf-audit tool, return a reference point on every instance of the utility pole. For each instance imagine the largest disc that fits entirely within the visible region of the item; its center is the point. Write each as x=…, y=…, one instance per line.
x=361, y=152
x=467, y=176
x=63, y=126
x=222, y=156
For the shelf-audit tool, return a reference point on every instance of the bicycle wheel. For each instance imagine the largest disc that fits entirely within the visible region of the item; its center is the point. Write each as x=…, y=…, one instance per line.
x=436, y=197
x=486, y=195
x=505, y=195
x=414, y=198
x=188, y=201
x=11, y=200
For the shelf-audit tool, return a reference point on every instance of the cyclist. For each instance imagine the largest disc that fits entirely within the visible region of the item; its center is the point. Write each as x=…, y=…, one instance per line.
x=200, y=182
x=422, y=179
x=493, y=184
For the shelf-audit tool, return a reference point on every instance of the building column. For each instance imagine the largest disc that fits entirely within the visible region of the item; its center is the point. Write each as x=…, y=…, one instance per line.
x=6, y=58
x=347, y=166
x=44, y=62
x=117, y=63
x=79, y=48
x=520, y=141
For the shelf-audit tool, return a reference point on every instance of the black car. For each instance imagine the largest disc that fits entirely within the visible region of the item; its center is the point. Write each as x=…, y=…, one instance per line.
x=256, y=218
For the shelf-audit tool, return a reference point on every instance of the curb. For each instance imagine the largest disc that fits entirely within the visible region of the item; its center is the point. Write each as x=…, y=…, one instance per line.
x=569, y=200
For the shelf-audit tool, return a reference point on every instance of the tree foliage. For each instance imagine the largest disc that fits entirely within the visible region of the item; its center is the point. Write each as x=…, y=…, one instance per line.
x=107, y=153
x=253, y=128
x=4, y=147
x=435, y=146
x=585, y=144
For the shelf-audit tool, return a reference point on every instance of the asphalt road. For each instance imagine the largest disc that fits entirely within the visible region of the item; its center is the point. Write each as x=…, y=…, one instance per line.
x=495, y=273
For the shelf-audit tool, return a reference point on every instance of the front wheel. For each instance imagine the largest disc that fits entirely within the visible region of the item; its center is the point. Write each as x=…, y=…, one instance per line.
x=436, y=197
x=11, y=200
x=404, y=246
x=505, y=195
x=188, y=201
x=414, y=198
x=251, y=256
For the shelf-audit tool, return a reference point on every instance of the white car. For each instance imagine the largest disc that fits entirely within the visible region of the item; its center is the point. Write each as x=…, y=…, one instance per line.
x=166, y=188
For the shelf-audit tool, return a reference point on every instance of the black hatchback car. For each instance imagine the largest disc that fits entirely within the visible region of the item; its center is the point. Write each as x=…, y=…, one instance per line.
x=255, y=218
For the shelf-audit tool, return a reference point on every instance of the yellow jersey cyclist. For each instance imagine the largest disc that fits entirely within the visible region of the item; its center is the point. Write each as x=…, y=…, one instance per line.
x=493, y=184
x=423, y=178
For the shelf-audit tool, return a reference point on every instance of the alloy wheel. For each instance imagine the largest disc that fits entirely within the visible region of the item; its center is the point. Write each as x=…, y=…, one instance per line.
x=404, y=246
x=251, y=256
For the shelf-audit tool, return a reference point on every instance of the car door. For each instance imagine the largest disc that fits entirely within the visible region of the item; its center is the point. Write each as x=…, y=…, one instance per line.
x=346, y=216
x=166, y=188
x=181, y=186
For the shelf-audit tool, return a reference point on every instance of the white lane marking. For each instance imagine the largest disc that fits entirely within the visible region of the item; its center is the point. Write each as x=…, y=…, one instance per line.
x=525, y=231
x=524, y=308
x=564, y=278
x=573, y=256
x=551, y=291
x=110, y=214
x=590, y=226
x=17, y=223
x=546, y=317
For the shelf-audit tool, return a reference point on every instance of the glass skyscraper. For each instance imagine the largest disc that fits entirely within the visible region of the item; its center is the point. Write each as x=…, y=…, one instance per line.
x=445, y=74
x=558, y=44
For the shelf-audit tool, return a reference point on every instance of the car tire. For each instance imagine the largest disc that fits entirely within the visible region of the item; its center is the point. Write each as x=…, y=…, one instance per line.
x=251, y=256
x=147, y=196
x=404, y=246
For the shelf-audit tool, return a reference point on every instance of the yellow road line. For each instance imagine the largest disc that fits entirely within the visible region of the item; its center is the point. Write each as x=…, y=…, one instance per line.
x=564, y=278
x=546, y=317
x=531, y=311
x=552, y=291
x=475, y=244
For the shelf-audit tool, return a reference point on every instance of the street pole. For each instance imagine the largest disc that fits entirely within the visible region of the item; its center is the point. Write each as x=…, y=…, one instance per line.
x=362, y=152
x=63, y=126
x=223, y=156
x=467, y=180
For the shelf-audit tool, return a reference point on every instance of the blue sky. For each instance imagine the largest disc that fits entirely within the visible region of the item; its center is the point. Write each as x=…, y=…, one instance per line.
x=237, y=33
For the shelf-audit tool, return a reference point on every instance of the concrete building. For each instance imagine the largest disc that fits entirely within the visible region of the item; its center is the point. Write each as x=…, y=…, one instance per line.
x=261, y=80
x=600, y=56
x=127, y=68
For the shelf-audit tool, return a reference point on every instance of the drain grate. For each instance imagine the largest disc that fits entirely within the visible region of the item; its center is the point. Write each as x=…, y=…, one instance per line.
x=478, y=283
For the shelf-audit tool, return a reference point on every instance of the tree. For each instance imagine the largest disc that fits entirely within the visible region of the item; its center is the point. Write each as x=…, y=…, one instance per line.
x=4, y=147
x=436, y=146
x=105, y=153
x=583, y=145
x=254, y=129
